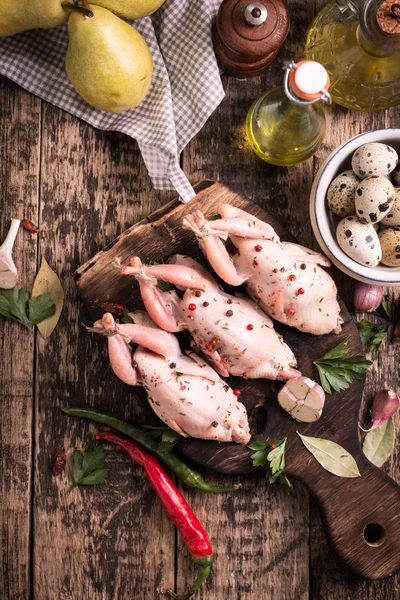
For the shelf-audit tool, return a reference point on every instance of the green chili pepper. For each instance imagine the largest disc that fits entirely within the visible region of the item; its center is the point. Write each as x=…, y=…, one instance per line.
x=174, y=461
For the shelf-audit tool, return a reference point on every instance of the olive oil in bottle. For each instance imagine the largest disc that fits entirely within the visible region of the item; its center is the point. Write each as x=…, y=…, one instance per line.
x=286, y=125
x=358, y=42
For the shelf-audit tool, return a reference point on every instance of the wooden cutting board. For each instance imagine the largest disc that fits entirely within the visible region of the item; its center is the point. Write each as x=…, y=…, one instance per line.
x=362, y=515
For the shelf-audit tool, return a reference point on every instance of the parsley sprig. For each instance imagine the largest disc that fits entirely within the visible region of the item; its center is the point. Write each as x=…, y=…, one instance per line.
x=271, y=455
x=168, y=438
x=18, y=305
x=337, y=370
x=89, y=467
x=373, y=334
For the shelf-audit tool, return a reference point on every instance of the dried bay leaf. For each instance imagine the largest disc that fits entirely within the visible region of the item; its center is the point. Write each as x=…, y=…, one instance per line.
x=331, y=456
x=47, y=281
x=379, y=443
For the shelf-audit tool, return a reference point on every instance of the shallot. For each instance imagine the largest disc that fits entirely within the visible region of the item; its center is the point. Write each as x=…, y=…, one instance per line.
x=8, y=270
x=386, y=403
x=367, y=297
x=303, y=399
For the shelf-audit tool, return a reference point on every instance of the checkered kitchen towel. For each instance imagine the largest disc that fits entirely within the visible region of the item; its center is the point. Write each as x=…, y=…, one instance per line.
x=185, y=90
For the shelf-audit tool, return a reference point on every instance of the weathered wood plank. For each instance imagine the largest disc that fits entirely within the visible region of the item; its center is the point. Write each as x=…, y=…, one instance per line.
x=115, y=541
x=330, y=578
x=19, y=178
x=261, y=533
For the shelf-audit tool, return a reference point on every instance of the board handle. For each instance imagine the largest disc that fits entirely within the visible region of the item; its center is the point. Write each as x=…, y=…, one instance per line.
x=362, y=517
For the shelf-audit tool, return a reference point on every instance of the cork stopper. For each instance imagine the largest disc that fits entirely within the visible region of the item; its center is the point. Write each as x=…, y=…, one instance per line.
x=388, y=17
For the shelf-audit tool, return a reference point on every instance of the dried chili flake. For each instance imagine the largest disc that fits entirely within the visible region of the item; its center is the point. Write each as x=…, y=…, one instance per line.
x=29, y=226
x=59, y=462
x=113, y=307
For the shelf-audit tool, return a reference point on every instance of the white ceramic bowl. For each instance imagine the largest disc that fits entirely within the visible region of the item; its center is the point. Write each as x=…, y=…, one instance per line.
x=324, y=222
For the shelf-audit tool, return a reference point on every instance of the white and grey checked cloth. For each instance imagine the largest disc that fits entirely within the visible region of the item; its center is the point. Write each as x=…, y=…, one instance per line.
x=185, y=90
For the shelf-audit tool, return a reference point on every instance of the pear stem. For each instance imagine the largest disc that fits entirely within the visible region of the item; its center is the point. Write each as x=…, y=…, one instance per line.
x=85, y=4
x=80, y=9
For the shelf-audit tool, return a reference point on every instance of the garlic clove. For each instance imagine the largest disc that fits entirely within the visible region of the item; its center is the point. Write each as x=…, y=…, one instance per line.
x=303, y=399
x=385, y=404
x=8, y=270
x=367, y=297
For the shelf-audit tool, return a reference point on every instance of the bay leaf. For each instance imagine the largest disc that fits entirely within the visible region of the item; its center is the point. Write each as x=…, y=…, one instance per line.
x=47, y=281
x=331, y=456
x=379, y=443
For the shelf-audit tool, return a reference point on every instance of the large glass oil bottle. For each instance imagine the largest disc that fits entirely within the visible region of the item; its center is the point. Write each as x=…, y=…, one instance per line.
x=358, y=42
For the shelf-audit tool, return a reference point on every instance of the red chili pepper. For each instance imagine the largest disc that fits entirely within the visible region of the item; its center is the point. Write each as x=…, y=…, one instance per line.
x=175, y=506
x=113, y=307
x=59, y=462
x=29, y=226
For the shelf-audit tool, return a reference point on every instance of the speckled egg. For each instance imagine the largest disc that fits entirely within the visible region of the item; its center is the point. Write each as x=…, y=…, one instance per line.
x=374, y=159
x=390, y=243
x=359, y=241
x=341, y=194
x=396, y=175
x=392, y=219
x=374, y=198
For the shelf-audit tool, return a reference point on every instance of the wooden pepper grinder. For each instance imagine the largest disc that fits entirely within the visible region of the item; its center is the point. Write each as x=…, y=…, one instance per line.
x=248, y=35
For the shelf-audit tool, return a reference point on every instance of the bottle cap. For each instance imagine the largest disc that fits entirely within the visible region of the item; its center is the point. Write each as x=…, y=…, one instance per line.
x=309, y=79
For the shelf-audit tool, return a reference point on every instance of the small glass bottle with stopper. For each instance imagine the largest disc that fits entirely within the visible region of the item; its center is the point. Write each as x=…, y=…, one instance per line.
x=358, y=41
x=286, y=125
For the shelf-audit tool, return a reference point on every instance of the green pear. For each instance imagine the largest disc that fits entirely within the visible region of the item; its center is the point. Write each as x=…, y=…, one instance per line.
x=108, y=62
x=131, y=9
x=21, y=15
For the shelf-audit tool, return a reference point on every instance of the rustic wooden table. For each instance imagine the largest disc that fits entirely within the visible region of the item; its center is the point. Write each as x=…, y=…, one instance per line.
x=84, y=187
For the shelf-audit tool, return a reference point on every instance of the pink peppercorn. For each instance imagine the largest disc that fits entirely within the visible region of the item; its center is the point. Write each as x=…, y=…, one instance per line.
x=250, y=327
x=258, y=248
x=192, y=307
x=292, y=277
x=300, y=291
x=291, y=312
x=237, y=392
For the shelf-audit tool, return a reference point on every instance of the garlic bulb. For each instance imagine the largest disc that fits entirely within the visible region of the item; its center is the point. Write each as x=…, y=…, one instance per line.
x=367, y=297
x=8, y=270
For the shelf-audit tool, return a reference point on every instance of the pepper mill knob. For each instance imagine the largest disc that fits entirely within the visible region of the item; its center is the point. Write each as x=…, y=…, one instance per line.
x=255, y=13
x=247, y=35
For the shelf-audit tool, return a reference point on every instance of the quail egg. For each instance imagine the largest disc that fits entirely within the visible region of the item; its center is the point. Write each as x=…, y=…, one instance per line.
x=374, y=198
x=341, y=194
x=374, y=159
x=392, y=219
x=359, y=241
x=396, y=175
x=390, y=243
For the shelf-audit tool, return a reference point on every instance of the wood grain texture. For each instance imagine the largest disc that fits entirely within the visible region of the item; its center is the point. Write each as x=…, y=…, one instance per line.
x=19, y=179
x=112, y=541
x=220, y=152
x=348, y=505
x=265, y=548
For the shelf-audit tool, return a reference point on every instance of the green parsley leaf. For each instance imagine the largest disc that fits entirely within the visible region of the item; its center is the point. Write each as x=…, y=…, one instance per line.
x=17, y=304
x=373, y=334
x=126, y=318
x=40, y=308
x=165, y=286
x=271, y=455
x=337, y=370
x=214, y=218
x=383, y=311
x=168, y=437
x=89, y=467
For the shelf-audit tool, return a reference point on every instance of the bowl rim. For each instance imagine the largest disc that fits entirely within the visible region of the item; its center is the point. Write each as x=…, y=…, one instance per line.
x=319, y=214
